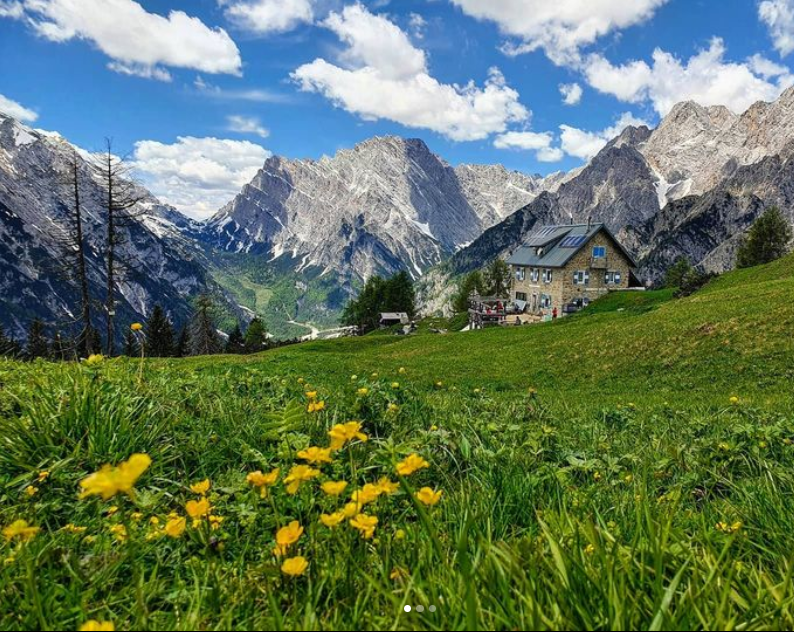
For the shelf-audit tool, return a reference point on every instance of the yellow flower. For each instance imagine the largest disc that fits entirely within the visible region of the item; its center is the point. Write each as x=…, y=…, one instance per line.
x=353, y=378
x=175, y=527
x=362, y=392
x=427, y=496
x=397, y=573
x=136, y=327
x=197, y=508
x=110, y=481
x=201, y=488
x=393, y=408
x=334, y=488
x=399, y=534
x=589, y=549
x=365, y=525
x=43, y=476
x=301, y=380
x=734, y=400
x=402, y=370
x=332, y=520
x=97, y=626
x=316, y=455
x=628, y=478
x=366, y=494
x=728, y=528
x=154, y=521
x=215, y=522
x=375, y=375
x=386, y=486
x=295, y=566
x=411, y=464
x=257, y=479
x=297, y=475
x=20, y=530
x=311, y=395
x=395, y=385
x=112, y=511
x=95, y=359
x=315, y=407
x=343, y=433
x=120, y=531
x=351, y=510
x=290, y=534
x=31, y=491
x=280, y=551
x=597, y=476
x=137, y=516
x=71, y=528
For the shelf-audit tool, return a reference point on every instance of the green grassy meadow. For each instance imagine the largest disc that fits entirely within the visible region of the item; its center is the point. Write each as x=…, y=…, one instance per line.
x=631, y=467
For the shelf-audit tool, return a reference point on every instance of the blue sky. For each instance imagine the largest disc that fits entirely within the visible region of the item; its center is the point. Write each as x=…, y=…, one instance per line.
x=199, y=92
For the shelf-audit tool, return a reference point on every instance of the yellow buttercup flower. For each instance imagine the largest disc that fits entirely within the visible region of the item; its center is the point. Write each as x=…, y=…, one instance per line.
x=215, y=522
x=197, y=508
x=94, y=359
x=97, y=626
x=402, y=370
x=386, y=486
x=316, y=455
x=295, y=566
x=257, y=479
x=341, y=434
x=110, y=481
x=175, y=527
x=120, y=531
x=201, y=487
x=137, y=516
x=297, y=475
x=333, y=520
x=734, y=400
x=280, y=551
x=351, y=510
x=365, y=525
x=289, y=535
x=333, y=488
x=399, y=534
x=71, y=528
x=589, y=549
x=43, y=476
x=20, y=530
x=395, y=385
x=427, y=496
x=367, y=494
x=136, y=327
x=363, y=392
x=311, y=395
x=30, y=490
x=315, y=407
x=112, y=511
x=393, y=408
x=411, y=464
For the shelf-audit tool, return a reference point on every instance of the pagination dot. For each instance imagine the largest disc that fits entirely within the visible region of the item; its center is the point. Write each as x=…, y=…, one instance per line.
x=420, y=608
x=407, y=608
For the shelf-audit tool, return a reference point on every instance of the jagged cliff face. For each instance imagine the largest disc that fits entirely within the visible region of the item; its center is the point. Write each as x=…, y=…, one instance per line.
x=388, y=204
x=35, y=275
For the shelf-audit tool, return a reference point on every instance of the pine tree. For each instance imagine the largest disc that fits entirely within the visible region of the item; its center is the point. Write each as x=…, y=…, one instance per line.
x=399, y=295
x=9, y=348
x=182, y=347
x=131, y=347
x=38, y=345
x=256, y=336
x=472, y=283
x=159, y=334
x=236, y=342
x=767, y=241
x=497, y=279
x=94, y=341
x=204, y=338
x=677, y=273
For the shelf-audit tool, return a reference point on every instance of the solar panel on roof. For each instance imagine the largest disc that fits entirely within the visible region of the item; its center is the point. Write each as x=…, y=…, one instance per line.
x=573, y=242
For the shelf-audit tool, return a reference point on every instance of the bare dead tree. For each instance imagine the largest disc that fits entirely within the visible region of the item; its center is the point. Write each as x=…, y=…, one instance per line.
x=122, y=198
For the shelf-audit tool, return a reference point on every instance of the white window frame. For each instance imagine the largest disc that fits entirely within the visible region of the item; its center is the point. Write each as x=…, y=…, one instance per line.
x=547, y=276
x=521, y=273
x=599, y=249
x=534, y=275
x=581, y=277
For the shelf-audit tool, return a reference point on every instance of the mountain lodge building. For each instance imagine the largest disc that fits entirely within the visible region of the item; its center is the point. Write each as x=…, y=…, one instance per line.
x=565, y=267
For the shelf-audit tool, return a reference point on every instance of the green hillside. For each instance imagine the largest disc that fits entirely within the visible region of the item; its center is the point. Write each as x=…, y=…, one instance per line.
x=631, y=467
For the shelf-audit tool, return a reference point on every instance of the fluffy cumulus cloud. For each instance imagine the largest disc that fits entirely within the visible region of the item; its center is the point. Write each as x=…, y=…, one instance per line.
x=562, y=27
x=539, y=142
x=382, y=75
x=268, y=16
x=585, y=145
x=571, y=93
x=138, y=42
x=778, y=15
x=706, y=78
x=17, y=110
x=247, y=125
x=198, y=175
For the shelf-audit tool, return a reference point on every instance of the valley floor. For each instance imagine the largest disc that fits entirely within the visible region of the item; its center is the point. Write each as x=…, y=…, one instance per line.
x=628, y=468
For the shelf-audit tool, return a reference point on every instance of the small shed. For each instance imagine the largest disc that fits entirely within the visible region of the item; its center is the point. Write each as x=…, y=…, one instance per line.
x=389, y=319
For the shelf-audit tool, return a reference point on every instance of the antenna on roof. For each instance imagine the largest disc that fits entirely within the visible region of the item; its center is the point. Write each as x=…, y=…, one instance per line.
x=571, y=216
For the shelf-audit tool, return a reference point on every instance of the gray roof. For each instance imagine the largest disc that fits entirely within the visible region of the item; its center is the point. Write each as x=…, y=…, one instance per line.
x=559, y=245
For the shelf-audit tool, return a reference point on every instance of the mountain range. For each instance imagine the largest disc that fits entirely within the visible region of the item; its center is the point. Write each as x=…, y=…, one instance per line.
x=303, y=235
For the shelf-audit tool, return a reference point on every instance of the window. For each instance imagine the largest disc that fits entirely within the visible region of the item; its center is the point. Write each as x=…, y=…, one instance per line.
x=521, y=274
x=599, y=252
x=545, y=301
x=534, y=275
x=547, y=276
x=618, y=278
x=613, y=278
x=521, y=296
x=581, y=277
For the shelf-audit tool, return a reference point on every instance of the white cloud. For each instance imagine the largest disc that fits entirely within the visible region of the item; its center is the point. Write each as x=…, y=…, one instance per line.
x=585, y=145
x=383, y=76
x=198, y=175
x=255, y=95
x=418, y=25
x=16, y=110
x=778, y=15
x=247, y=125
x=137, y=41
x=561, y=27
x=11, y=9
x=706, y=78
x=571, y=93
x=268, y=16
x=539, y=142
x=138, y=70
